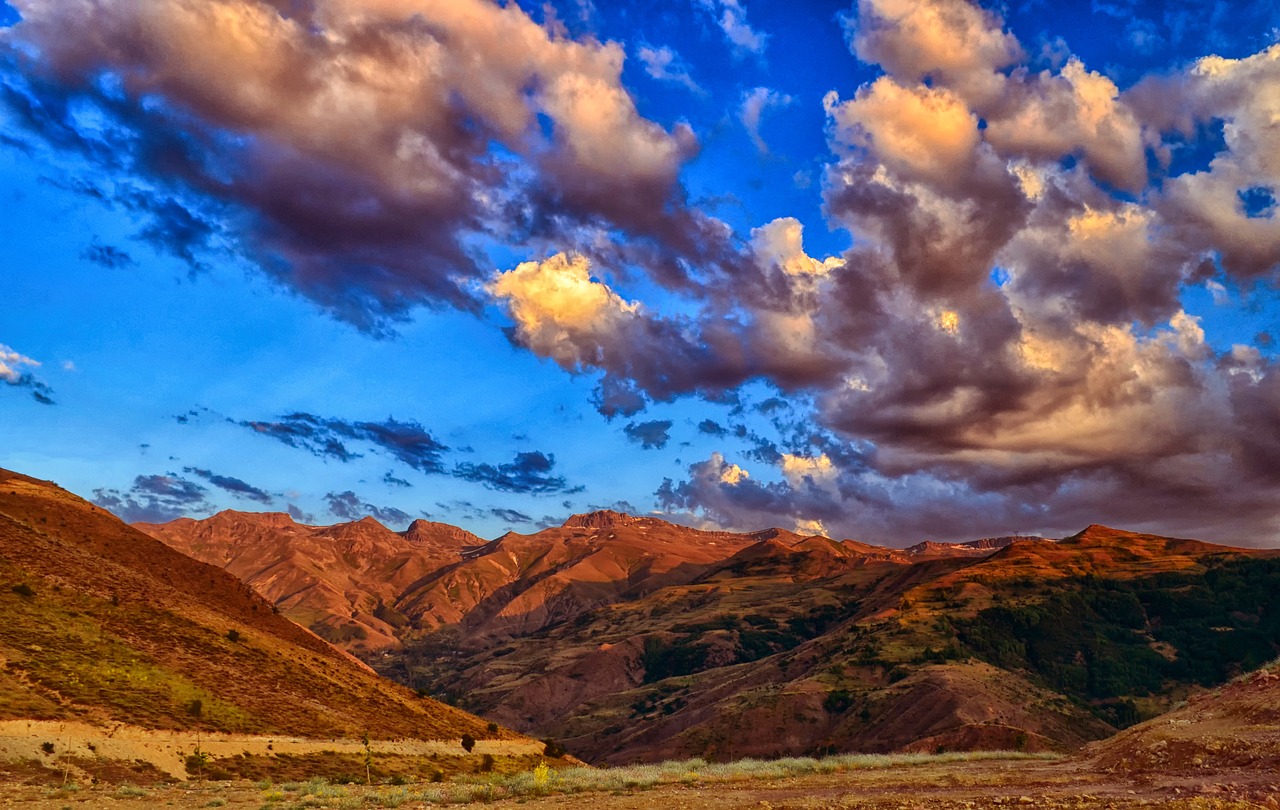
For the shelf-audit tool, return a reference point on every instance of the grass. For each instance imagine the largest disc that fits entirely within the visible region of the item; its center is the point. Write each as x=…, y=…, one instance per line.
x=540, y=781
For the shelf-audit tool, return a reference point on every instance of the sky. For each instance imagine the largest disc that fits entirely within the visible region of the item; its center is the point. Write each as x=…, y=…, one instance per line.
x=890, y=270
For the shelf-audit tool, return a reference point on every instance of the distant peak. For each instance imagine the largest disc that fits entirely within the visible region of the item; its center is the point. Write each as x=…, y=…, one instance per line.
x=600, y=519
x=274, y=519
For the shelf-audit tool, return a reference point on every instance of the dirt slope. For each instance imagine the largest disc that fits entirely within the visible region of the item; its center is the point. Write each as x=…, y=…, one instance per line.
x=1235, y=727
x=103, y=624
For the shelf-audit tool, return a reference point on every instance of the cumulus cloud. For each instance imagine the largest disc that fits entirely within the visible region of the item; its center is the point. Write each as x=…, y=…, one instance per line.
x=345, y=147
x=1005, y=345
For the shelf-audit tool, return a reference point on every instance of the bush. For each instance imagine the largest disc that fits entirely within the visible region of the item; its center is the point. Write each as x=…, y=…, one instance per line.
x=233, y=636
x=24, y=590
x=493, y=728
x=553, y=749
x=468, y=742
x=46, y=747
x=837, y=701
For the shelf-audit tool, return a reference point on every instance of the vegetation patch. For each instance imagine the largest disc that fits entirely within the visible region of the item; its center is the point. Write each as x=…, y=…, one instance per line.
x=1107, y=642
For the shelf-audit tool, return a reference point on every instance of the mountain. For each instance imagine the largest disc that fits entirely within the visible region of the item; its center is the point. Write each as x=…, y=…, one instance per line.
x=104, y=625
x=801, y=645
x=340, y=581
x=629, y=638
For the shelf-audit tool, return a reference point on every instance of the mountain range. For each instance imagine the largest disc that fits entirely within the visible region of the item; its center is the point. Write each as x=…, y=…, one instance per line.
x=631, y=638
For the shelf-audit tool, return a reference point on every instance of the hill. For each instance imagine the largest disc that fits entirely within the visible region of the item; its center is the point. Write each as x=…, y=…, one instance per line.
x=104, y=625
x=1235, y=727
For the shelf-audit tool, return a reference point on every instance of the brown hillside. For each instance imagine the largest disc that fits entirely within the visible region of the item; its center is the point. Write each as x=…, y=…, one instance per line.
x=339, y=581
x=520, y=584
x=1235, y=727
x=104, y=624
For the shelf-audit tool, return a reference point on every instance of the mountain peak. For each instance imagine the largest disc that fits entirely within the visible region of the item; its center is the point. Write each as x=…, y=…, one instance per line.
x=600, y=519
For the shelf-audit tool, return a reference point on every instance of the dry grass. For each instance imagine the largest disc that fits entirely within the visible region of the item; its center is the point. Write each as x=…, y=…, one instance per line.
x=543, y=781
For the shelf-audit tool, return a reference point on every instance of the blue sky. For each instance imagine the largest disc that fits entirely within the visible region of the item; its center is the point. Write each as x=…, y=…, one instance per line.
x=498, y=264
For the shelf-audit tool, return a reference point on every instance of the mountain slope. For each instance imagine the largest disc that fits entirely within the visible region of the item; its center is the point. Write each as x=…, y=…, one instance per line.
x=340, y=581
x=1238, y=727
x=104, y=624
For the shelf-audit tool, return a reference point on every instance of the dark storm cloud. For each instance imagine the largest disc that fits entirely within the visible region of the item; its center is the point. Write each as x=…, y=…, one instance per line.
x=155, y=499
x=529, y=473
x=405, y=441
x=233, y=485
x=652, y=435
x=349, y=506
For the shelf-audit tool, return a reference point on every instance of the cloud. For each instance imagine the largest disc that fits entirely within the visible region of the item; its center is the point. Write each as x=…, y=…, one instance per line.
x=300, y=516
x=11, y=365
x=754, y=105
x=405, y=441
x=348, y=506
x=710, y=427
x=155, y=499
x=510, y=515
x=665, y=65
x=652, y=435
x=233, y=485
x=108, y=256
x=732, y=19
x=354, y=152
x=529, y=473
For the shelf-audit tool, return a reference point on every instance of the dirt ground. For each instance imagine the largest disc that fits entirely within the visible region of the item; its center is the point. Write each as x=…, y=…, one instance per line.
x=949, y=786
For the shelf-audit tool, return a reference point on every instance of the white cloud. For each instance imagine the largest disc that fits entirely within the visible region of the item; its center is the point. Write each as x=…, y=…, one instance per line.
x=732, y=19
x=665, y=65
x=754, y=105
x=11, y=364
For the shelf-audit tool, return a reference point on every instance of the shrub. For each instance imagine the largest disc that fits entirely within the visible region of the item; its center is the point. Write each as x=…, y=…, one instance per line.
x=468, y=742
x=24, y=590
x=493, y=728
x=553, y=749
x=46, y=747
x=837, y=701
x=233, y=636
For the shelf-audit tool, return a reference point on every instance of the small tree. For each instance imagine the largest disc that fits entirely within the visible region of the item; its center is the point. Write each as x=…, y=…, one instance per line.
x=468, y=742
x=368, y=759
